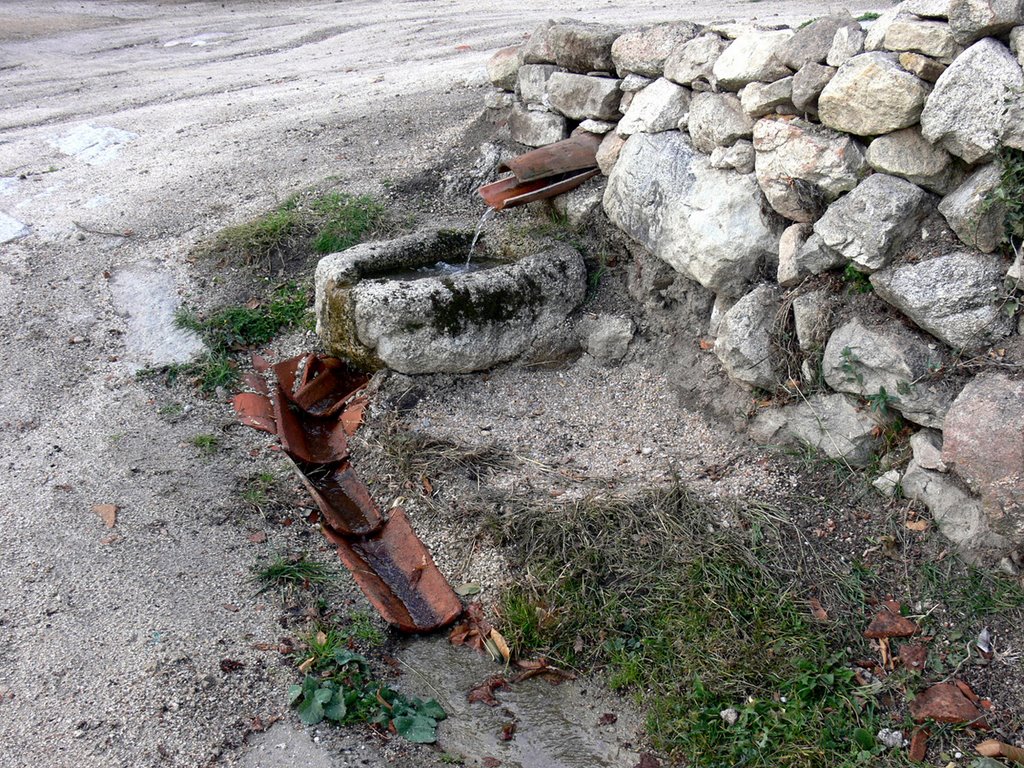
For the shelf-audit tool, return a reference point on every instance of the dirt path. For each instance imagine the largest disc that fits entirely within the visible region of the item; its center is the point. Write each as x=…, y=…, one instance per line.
x=128, y=131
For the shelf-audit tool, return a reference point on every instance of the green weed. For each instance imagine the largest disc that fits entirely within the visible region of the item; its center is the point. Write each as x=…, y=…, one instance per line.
x=257, y=486
x=206, y=444
x=344, y=220
x=856, y=281
x=234, y=328
x=343, y=690
x=291, y=572
x=171, y=410
x=361, y=628
x=242, y=326
x=868, y=16
x=1009, y=194
x=968, y=593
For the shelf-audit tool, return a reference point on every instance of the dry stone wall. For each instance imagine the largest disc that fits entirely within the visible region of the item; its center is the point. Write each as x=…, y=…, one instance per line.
x=793, y=171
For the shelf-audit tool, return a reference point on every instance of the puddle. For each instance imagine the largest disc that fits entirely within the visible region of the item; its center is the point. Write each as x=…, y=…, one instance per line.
x=11, y=228
x=147, y=297
x=556, y=726
x=93, y=145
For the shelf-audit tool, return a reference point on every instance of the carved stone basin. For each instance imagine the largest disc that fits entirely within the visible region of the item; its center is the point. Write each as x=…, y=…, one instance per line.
x=374, y=308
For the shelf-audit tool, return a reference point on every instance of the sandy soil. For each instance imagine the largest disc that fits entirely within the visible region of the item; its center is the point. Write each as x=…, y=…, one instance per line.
x=129, y=131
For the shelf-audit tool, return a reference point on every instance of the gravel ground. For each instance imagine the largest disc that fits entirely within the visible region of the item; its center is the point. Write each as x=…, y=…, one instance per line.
x=130, y=131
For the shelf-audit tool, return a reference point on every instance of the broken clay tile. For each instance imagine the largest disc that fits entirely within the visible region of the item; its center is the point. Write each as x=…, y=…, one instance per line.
x=313, y=439
x=255, y=411
x=914, y=656
x=967, y=691
x=388, y=561
x=352, y=416
x=343, y=499
x=889, y=623
x=396, y=572
x=256, y=383
x=945, y=703
x=107, y=513
x=919, y=745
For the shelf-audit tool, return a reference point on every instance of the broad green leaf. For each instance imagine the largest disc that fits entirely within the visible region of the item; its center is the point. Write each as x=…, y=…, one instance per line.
x=344, y=656
x=464, y=590
x=418, y=729
x=336, y=710
x=294, y=693
x=311, y=711
x=323, y=695
x=431, y=708
x=864, y=738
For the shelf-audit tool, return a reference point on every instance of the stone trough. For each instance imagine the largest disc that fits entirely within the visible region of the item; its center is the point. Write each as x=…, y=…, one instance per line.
x=410, y=305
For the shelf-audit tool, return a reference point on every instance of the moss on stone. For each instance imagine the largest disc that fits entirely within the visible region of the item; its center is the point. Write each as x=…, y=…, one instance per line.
x=465, y=307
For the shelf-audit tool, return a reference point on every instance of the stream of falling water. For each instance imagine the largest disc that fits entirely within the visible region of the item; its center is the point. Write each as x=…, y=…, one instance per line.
x=488, y=215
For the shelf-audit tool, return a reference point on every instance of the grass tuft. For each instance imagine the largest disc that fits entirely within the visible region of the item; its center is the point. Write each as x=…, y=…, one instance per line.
x=303, y=223
x=291, y=572
x=206, y=444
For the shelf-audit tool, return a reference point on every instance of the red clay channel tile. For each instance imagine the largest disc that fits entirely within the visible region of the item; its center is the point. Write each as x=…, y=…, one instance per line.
x=396, y=572
x=343, y=499
x=889, y=623
x=325, y=384
x=313, y=439
x=945, y=703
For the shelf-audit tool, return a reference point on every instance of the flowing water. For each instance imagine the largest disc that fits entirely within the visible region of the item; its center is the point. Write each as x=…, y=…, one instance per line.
x=488, y=215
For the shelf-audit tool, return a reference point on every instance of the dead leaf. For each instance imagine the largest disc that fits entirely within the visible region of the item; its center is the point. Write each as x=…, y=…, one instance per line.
x=111, y=539
x=706, y=345
x=485, y=691
x=508, y=732
x=501, y=645
x=490, y=762
x=253, y=303
x=647, y=760
x=230, y=665
x=540, y=667
x=258, y=538
x=819, y=613
x=469, y=588
x=230, y=607
x=917, y=525
x=428, y=487
x=305, y=666
x=608, y=718
x=321, y=638
x=107, y=513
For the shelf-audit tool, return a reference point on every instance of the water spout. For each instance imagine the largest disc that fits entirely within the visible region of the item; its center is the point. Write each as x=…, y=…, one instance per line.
x=488, y=215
